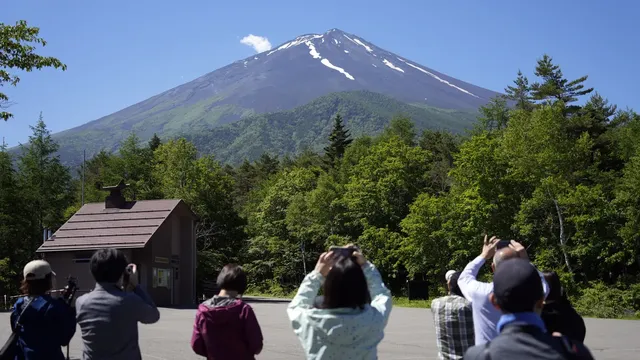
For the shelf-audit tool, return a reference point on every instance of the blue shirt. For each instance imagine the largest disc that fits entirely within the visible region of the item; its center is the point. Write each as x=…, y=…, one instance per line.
x=47, y=325
x=529, y=318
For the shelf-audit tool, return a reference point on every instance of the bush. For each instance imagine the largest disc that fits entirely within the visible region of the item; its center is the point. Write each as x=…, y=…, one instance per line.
x=604, y=301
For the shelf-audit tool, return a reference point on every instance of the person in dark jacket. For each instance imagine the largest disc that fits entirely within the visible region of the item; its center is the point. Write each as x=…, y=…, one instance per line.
x=558, y=314
x=518, y=294
x=47, y=323
x=226, y=328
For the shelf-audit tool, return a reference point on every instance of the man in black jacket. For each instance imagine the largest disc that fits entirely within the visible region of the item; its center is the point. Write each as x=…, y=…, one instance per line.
x=518, y=294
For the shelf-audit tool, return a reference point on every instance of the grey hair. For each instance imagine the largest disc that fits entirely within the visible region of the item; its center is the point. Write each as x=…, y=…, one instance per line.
x=503, y=254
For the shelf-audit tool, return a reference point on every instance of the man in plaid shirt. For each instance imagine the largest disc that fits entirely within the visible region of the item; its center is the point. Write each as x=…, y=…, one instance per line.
x=453, y=320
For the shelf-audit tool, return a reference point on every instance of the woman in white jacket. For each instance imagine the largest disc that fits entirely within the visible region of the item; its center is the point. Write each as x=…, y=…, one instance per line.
x=350, y=321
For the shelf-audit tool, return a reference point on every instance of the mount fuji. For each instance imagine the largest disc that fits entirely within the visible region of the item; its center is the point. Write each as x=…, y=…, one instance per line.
x=282, y=81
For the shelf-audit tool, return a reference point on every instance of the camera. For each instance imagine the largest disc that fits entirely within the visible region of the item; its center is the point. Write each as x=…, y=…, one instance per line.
x=343, y=251
x=503, y=244
x=126, y=276
x=70, y=289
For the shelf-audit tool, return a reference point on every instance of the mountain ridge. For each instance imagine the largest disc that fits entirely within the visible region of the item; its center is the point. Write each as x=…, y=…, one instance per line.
x=308, y=126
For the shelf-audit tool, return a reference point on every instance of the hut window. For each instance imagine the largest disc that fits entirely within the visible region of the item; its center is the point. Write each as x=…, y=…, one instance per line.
x=82, y=257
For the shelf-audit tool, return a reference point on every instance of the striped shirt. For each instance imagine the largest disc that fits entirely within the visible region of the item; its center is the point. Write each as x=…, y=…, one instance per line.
x=453, y=320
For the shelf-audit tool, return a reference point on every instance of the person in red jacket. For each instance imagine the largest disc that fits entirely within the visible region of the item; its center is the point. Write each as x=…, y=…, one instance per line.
x=226, y=327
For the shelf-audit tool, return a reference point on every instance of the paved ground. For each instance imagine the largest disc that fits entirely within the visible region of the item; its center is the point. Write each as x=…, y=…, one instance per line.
x=409, y=335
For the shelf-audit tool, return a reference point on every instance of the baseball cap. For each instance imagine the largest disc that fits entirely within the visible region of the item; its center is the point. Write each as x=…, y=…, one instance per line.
x=517, y=286
x=37, y=270
x=449, y=274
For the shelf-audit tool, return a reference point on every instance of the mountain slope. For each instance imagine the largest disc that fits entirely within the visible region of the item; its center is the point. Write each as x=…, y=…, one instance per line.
x=288, y=76
x=288, y=132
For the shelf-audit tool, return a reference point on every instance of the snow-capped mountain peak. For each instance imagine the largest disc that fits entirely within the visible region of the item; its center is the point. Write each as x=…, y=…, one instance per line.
x=346, y=56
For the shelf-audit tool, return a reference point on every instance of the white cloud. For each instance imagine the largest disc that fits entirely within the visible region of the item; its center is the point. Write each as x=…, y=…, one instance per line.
x=258, y=43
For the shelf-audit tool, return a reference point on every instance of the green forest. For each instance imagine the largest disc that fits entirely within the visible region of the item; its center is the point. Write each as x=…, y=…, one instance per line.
x=551, y=164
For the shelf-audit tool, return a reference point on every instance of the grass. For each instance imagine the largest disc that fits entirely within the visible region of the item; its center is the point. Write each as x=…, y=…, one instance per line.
x=405, y=302
x=397, y=301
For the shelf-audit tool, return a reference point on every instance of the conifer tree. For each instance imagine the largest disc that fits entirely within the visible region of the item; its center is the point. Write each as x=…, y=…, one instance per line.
x=154, y=142
x=14, y=225
x=46, y=182
x=554, y=85
x=520, y=93
x=339, y=139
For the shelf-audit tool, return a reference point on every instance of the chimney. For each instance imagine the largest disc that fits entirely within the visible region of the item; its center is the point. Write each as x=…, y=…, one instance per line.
x=115, y=200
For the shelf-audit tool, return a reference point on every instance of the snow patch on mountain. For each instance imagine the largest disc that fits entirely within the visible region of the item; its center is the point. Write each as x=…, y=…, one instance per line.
x=374, y=65
x=389, y=64
x=336, y=41
x=299, y=40
x=346, y=51
x=312, y=50
x=439, y=79
x=357, y=41
x=350, y=39
x=328, y=64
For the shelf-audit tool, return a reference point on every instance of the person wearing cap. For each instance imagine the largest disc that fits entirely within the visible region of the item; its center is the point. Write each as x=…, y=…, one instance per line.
x=453, y=320
x=485, y=316
x=519, y=296
x=46, y=323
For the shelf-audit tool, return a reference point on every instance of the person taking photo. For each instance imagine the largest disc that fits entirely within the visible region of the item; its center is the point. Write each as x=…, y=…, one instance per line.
x=485, y=315
x=43, y=324
x=519, y=297
x=109, y=315
x=350, y=320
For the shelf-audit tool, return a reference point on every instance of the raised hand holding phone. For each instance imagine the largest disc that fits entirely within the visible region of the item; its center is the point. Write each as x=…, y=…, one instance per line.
x=349, y=250
x=324, y=263
x=130, y=277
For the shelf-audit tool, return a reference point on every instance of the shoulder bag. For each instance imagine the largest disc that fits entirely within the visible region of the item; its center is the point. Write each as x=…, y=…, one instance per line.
x=10, y=349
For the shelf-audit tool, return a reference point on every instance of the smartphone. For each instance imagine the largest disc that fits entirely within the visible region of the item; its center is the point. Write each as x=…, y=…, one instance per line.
x=343, y=251
x=128, y=271
x=503, y=244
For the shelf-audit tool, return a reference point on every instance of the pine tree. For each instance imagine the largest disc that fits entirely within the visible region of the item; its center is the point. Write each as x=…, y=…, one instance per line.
x=520, y=93
x=154, y=142
x=554, y=85
x=46, y=182
x=14, y=226
x=339, y=139
x=266, y=166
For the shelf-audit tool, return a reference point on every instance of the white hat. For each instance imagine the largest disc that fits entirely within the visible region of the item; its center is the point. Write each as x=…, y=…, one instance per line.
x=449, y=274
x=37, y=270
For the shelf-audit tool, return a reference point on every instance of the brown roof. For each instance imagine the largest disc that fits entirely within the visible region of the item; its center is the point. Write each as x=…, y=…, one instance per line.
x=94, y=227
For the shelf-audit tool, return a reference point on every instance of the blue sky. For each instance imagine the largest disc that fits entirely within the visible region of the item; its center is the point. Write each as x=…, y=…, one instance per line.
x=121, y=52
